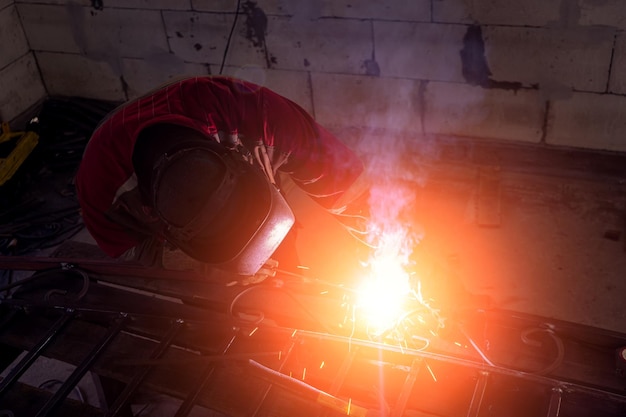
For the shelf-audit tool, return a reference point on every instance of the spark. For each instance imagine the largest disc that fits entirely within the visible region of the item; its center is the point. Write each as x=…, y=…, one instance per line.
x=349, y=405
x=383, y=294
x=323, y=292
x=322, y=365
x=303, y=373
x=294, y=333
x=253, y=331
x=431, y=372
x=458, y=344
x=389, y=304
x=280, y=354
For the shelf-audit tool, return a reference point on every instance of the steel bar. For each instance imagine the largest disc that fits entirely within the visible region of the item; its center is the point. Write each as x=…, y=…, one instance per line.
x=407, y=388
x=34, y=263
x=187, y=405
x=286, y=357
x=343, y=371
x=556, y=398
x=35, y=352
x=479, y=394
x=130, y=389
x=6, y=318
x=571, y=386
x=307, y=391
x=82, y=368
x=341, y=374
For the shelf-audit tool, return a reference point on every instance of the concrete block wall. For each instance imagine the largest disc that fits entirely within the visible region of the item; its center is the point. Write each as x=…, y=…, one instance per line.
x=20, y=82
x=545, y=72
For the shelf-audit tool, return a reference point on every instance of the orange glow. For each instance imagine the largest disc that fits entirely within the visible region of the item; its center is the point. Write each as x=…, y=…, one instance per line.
x=389, y=304
x=384, y=292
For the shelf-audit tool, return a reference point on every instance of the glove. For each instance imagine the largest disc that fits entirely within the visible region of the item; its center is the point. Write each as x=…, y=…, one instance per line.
x=352, y=208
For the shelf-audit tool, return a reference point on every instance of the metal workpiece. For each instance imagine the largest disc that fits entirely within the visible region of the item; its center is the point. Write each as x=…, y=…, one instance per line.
x=35, y=352
x=245, y=357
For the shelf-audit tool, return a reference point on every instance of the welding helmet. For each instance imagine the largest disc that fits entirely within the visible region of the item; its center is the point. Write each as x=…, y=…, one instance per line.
x=216, y=207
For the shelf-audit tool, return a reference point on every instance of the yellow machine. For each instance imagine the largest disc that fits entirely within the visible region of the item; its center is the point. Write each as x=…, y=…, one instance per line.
x=26, y=142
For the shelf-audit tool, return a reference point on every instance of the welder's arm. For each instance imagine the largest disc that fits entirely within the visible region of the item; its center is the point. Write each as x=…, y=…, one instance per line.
x=334, y=177
x=319, y=163
x=148, y=252
x=352, y=208
x=128, y=211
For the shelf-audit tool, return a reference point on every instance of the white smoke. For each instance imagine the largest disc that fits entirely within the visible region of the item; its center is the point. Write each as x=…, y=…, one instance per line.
x=393, y=227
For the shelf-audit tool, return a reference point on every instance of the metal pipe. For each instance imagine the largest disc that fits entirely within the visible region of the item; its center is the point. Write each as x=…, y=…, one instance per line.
x=292, y=344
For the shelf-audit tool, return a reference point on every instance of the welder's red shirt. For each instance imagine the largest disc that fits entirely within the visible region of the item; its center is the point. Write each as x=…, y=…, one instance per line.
x=317, y=161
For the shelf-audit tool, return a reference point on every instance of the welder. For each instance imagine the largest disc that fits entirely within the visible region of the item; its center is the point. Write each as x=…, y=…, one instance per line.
x=195, y=165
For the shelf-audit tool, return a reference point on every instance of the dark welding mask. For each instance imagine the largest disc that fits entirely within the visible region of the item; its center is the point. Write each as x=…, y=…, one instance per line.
x=218, y=208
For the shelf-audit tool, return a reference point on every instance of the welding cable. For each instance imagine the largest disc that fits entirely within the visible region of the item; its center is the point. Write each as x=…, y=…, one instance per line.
x=230, y=37
x=30, y=243
x=62, y=236
x=51, y=216
x=45, y=231
x=51, y=382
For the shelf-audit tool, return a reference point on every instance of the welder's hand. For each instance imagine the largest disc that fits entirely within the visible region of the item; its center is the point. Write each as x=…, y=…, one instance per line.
x=268, y=270
x=352, y=208
x=355, y=218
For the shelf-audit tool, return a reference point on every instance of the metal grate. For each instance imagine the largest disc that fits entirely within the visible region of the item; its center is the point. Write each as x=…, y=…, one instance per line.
x=207, y=358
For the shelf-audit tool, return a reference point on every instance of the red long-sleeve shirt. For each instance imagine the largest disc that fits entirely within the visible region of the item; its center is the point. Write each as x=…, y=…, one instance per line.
x=317, y=161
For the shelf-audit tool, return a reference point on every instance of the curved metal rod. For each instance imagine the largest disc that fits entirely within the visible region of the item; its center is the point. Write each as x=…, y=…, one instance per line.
x=48, y=272
x=557, y=341
x=527, y=341
x=81, y=294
